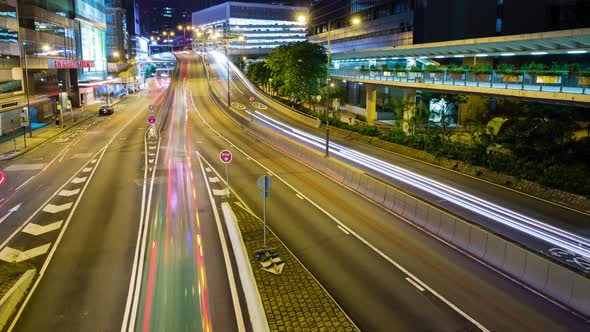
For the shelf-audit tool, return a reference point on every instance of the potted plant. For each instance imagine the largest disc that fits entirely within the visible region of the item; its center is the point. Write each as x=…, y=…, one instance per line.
x=400, y=70
x=551, y=75
x=373, y=69
x=584, y=77
x=482, y=72
x=416, y=73
x=509, y=74
x=386, y=70
x=456, y=71
x=364, y=69
x=434, y=71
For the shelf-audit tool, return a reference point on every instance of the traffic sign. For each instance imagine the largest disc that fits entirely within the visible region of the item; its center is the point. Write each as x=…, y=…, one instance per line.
x=264, y=182
x=251, y=98
x=151, y=119
x=151, y=107
x=225, y=156
x=24, y=117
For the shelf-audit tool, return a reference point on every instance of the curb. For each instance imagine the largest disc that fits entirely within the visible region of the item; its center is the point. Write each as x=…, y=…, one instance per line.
x=253, y=301
x=14, y=296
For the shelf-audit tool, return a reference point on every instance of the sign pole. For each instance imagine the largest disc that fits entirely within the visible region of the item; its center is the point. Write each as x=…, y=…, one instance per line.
x=265, y=194
x=25, y=135
x=227, y=178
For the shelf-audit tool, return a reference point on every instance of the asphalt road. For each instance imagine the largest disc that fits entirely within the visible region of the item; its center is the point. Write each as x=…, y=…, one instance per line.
x=359, y=262
x=552, y=214
x=83, y=287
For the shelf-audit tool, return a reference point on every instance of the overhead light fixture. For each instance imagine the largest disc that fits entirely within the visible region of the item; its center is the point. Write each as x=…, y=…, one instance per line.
x=482, y=55
x=538, y=53
x=459, y=56
x=423, y=57
x=394, y=58
x=439, y=56
x=577, y=51
x=507, y=54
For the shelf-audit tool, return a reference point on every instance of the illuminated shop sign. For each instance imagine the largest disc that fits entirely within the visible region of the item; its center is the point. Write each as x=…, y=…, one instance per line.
x=69, y=64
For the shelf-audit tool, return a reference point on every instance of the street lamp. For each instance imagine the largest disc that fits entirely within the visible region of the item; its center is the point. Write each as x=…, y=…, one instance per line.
x=184, y=28
x=354, y=21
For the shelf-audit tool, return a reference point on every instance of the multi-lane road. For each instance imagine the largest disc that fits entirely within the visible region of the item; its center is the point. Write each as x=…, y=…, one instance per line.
x=138, y=246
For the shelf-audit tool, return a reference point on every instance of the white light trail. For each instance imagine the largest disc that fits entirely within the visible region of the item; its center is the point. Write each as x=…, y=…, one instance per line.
x=507, y=217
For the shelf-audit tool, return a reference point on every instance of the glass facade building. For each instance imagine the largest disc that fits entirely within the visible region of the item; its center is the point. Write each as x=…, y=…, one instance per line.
x=252, y=28
x=92, y=38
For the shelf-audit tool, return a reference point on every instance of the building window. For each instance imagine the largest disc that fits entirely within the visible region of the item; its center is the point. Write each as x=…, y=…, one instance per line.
x=498, y=25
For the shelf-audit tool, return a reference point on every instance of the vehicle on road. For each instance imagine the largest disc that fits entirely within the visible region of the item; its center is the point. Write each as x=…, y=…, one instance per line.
x=105, y=110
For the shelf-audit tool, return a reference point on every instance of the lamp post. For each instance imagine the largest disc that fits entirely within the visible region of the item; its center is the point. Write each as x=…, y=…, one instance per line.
x=184, y=28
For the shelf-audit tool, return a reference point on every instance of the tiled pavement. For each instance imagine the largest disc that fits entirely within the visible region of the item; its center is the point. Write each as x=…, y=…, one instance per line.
x=293, y=300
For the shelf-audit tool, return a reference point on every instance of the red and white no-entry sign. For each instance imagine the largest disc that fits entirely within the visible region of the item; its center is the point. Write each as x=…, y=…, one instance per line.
x=151, y=119
x=225, y=156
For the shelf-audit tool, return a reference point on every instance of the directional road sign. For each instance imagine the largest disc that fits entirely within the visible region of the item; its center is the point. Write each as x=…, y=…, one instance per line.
x=151, y=119
x=225, y=156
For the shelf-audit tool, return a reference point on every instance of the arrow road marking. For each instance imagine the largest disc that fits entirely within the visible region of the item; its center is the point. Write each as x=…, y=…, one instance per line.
x=57, y=208
x=68, y=193
x=79, y=180
x=11, y=211
x=11, y=255
x=36, y=230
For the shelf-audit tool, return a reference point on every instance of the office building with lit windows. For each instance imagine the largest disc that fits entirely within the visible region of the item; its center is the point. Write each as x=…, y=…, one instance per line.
x=250, y=28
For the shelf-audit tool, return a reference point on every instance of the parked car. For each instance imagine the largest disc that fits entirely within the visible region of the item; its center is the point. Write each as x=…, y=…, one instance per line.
x=105, y=110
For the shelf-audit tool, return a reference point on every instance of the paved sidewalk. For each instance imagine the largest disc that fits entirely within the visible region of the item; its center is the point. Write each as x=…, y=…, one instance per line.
x=43, y=134
x=293, y=300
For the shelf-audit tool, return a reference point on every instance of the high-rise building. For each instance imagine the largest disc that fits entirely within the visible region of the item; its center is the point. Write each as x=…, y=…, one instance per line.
x=117, y=40
x=91, y=39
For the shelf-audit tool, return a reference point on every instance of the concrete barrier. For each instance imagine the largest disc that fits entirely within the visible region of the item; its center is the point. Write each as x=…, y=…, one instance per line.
x=515, y=260
x=580, y=299
x=560, y=283
x=10, y=300
x=461, y=236
x=389, y=198
x=432, y=220
x=363, y=185
x=478, y=239
x=495, y=250
x=447, y=227
x=422, y=216
x=535, y=271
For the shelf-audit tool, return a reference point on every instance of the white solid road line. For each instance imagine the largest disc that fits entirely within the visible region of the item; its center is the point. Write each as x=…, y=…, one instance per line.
x=367, y=243
x=228, y=266
x=100, y=153
x=415, y=284
x=343, y=230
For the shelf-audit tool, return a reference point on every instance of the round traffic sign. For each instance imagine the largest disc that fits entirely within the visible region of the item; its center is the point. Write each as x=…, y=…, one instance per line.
x=225, y=156
x=151, y=107
x=151, y=119
x=251, y=98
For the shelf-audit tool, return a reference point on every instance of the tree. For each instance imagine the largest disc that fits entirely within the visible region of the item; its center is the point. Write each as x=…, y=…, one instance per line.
x=297, y=69
x=448, y=106
x=150, y=70
x=259, y=73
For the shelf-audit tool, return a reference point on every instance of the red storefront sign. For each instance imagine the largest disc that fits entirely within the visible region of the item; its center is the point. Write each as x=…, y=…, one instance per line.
x=69, y=64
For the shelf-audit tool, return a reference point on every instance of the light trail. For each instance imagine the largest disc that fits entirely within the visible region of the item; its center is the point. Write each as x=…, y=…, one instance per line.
x=507, y=217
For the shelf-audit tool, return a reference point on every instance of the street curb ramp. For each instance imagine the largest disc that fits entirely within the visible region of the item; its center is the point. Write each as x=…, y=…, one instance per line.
x=539, y=273
x=14, y=296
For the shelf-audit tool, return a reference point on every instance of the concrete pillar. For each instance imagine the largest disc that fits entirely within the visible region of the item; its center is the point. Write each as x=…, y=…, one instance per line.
x=409, y=112
x=371, y=104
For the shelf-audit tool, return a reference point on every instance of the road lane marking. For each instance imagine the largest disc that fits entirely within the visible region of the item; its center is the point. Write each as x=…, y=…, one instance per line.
x=50, y=208
x=24, y=167
x=343, y=230
x=207, y=169
x=220, y=192
x=87, y=169
x=228, y=265
x=415, y=284
x=363, y=240
x=11, y=211
x=150, y=161
x=82, y=155
x=68, y=193
x=77, y=180
x=36, y=230
x=300, y=197
x=214, y=179
x=11, y=255
x=97, y=159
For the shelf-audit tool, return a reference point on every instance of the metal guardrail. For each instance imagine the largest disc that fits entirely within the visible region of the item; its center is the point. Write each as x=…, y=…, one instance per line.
x=520, y=81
